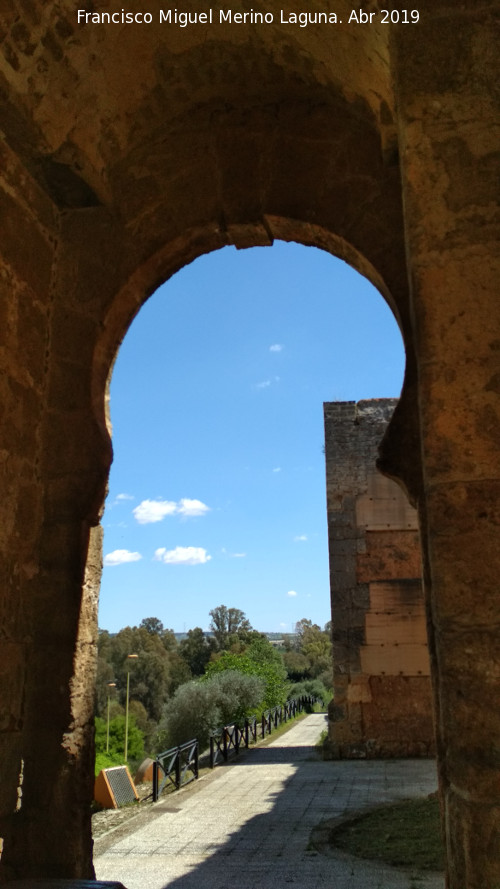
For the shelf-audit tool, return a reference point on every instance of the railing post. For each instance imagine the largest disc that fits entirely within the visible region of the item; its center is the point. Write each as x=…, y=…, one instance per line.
x=212, y=757
x=195, y=758
x=224, y=743
x=178, y=769
x=236, y=736
x=246, y=733
x=155, y=781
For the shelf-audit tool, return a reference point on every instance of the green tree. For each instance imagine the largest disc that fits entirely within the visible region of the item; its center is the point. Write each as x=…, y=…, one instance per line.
x=152, y=625
x=117, y=737
x=199, y=708
x=296, y=665
x=314, y=687
x=105, y=675
x=169, y=641
x=196, y=649
x=259, y=659
x=237, y=695
x=149, y=679
x=150, y=673
x=179, y=672
x=315, y=645
x=228, y=625
x=192, y=712
x=317, y=648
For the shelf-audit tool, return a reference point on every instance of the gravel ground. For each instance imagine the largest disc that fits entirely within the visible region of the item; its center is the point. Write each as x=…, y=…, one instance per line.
x=107, y=819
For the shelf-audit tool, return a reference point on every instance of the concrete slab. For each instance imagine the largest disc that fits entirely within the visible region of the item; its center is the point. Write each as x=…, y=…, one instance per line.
x=249, y=824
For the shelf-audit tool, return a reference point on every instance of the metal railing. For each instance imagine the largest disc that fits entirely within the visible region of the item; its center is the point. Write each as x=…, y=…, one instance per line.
x=228, y=739
x=179, y=766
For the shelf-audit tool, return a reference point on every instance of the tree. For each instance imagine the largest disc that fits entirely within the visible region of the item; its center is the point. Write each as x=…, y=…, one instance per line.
x=199, y=708
x=153, y=673
x=191, y=713
x=169, y=640
x=117, y=737
x=237, y=695
x=179, y=672
x=259, y=659
x=105, y=675
x=296, y=665
x=196, y=649
x=227, y=623
x=314, y=687
x=149, y=678
x=152, y=625
x=315, y=645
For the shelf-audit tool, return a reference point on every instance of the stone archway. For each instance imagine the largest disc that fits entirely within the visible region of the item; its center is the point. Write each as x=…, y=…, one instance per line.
x=127, y=153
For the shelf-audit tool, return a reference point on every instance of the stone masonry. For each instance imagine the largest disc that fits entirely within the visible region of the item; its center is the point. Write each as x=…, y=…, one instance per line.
x=127, y=151
x=382, y=704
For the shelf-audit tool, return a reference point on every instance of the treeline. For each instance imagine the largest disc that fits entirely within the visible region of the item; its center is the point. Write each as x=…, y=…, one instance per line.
x=180, y=690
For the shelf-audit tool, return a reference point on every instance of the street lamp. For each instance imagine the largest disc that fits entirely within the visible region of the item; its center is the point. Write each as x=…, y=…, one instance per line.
x=110, y=686
x=129, y=657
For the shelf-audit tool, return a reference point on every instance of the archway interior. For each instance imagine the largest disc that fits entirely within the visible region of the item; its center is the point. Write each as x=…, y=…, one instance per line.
x=217, y=489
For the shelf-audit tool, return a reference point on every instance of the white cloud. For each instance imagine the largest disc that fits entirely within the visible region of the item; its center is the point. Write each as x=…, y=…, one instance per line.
x=182, y=555
x=300, y=537
x=125, y=497
x=276, y=347
x=277, y=469
x=291, y=593
x=150, y=511
x=121, y=557
x=188, y=508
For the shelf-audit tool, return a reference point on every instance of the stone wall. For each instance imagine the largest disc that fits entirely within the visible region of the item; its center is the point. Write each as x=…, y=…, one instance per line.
x=125, y=153
x=382, y=704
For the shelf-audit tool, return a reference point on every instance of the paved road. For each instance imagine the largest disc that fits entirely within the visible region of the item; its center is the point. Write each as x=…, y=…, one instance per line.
x=248, y=825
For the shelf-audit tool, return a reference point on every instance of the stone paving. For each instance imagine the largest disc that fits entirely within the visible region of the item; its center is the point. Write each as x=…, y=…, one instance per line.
x=248, y=824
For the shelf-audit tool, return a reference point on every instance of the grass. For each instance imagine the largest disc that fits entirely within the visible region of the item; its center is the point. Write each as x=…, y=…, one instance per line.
x=321, y=740
x=406, y=834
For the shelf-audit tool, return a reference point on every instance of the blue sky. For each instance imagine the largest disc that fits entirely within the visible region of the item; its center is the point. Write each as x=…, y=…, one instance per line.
x=217, y=489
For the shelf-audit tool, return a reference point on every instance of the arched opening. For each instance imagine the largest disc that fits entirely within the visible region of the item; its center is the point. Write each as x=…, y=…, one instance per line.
x=217, y=396
x=115, y=176
x=261, y=318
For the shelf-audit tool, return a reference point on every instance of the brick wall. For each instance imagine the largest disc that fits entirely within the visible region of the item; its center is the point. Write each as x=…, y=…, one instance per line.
x=382, y=695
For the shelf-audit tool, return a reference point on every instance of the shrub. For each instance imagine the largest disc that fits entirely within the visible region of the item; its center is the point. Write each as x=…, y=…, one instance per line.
x=237, y=694
x=199, y=708
x=312, y=687
x=192, y=712
x=117, y=738
x=107, y=761
x=260, y=660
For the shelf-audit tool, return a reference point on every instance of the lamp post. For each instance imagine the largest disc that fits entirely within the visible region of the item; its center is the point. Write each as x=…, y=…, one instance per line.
x=110, y=686
x=129, y=657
